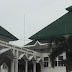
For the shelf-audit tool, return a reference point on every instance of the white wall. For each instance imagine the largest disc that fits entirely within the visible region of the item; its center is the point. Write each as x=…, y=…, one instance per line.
x=55, y=69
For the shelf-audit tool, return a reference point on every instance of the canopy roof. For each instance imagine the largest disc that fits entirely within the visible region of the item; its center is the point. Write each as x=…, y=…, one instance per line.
x=6, y=34
x=39, y=60
x=38, y=45
x=62, y=26
x=32, y=58
x=23, y=56
x=41, y=41
x=7, y=52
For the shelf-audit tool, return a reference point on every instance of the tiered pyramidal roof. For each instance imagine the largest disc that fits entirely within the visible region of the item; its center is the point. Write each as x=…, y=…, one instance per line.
x=62, y=26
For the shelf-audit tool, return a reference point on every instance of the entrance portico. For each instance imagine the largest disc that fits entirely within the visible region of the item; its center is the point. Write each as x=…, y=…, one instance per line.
x=18, y=62
x=14, y=57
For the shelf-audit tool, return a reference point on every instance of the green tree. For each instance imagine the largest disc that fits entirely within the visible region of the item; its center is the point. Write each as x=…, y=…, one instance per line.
x=63, y=44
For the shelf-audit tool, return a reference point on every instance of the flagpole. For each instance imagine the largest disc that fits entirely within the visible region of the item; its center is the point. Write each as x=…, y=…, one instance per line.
x=24, y=29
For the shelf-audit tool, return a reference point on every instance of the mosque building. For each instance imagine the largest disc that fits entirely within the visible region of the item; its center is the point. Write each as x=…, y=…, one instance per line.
x=35, y=56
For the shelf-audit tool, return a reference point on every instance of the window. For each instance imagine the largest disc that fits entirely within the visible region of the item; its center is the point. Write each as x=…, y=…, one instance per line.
x=60, y=61
x=45, y=64
x=55, y=63
x=64, y=62
x=60, y=58
x=45, y=61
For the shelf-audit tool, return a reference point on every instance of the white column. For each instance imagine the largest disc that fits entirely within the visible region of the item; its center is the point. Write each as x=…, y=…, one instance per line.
x=12, y=65
x=34, y=66
x=42, y=65
x=26, y=66
x=12, y=62
x=16, y=61
x=16, y=65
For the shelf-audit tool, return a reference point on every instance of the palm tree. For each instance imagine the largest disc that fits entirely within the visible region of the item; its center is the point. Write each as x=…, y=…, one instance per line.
x=63, y=44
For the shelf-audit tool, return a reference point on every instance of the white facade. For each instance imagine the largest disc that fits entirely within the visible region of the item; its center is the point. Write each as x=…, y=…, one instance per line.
x=21, y=58
x=56, y=68
x=42, y=48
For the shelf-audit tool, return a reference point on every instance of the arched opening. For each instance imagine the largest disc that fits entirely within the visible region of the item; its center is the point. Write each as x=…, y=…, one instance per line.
x=7, y=61
x=30, y=66
x=21, y=66
x=38, y=67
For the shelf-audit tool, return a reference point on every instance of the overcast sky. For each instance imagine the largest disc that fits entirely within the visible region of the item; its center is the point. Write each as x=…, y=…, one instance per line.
x=38, y=14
